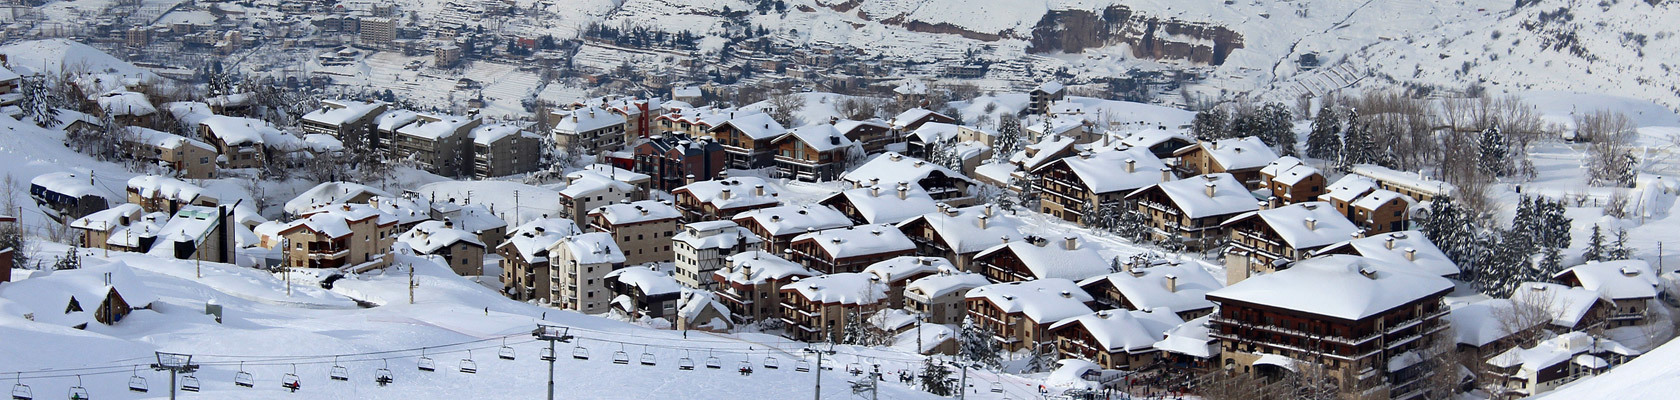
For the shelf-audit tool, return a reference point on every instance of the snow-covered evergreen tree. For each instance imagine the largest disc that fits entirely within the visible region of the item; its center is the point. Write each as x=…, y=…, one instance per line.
x=1595, y=245
x=1209, y=124
x=1551, y=263
x=1452, y=228
x=72, y=259
x=1551, y=225
x=1133, y=226
x=1493, y=154
x=38, y=102
x=1619, y=250
x=1008, y=140
x=936, y=378
x=1325, y=140
x=1279, y=125
x=975, y=344
x=1357, y=144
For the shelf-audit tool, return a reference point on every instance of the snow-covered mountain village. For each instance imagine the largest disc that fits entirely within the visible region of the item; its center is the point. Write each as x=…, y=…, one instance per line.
x=859, y=199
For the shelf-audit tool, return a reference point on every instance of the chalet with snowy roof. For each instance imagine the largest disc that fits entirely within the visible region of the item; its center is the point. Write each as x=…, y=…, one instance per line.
x=1361, y=316
x=638, y=113
x=1189, y=346
x=1115, y=339
x=700, y=310
x=1381, y=211
x=355, y=236
x=1553, y=363
x=460, y=249
x=1570, y=309
x=1072, y=127
x=1404, y=248
x=676, y=159
x=327, y=194
x=103, y=293
x=474, y=218
x=586, y=191
x=1019, y=314
x=749, y=139
x=821, y=308
x=348, y=120
x=1268, y=240
x=127, y=108
x=94, y=229
x=1160, y=142
x=957, y=234
x=640, y=292
x=1189, y=211
x=1179, y=288
x=1242, y=158
x=197, y=233
x=643, y=183
x=190, y=159
x=939, y=297
x=242, y=142
x=1631, y=285
x=914, y=118
x=694, y=121
x=1343, y=192
x=65, y=196
x=1033, y=258
x=643, y=229
x=579, y=265
x=1077, y=188
x=1289, y=180
x=898, y=272
x=922, y=140
x=1486, y=328
x=811, y=153
x=750, y=285
x=588, y=129
x=778, y=225
x=702, y=248
x=849, y=249
x=1411, y=184
x=137, y=235
x=525, y=264
x=1038, y=154
x=504, y=149
x=724, y=198
x=164, y=194
x=1045, y=94
x=878, y=205
x=872, y=134
x=438, y=143
x=940, y=183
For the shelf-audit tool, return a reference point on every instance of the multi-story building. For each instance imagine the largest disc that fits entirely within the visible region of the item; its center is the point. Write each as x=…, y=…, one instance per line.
x=438, y=143
x=640, y=292
x=724, y=198
x=1242, y=158
x=354, y=236
x=1044, y=94
x=821, y=308
x=504, y=149
x=95, y=229
x=1034, y=258
x=702, y=248
x=460, y=249
x=1548, y=365
x=778, y=225
x=913, y=119
x=751, y=284
x=938, y=298
x=190, y=159
x=940, y=183
x=1188, y=212
x=878, y=205
x=166, y=195
x=1405, y=248
x=351, y=122
x=643, y=229
x=957, y=234
x=812, y=153
x=242, y=142
x=1115, y=339
x=1411, y=184
x=1179, y=288
x=1290, y=181
x=641, y=183
x=747, y=139
x=638, y=114
x=675, y=159
x=579, y=264
x=1268, y=240
x=525, y=264
x=586, y=191
x=1019, y=314
x=1089, y=188
x=385, y=128
x=1366, y=324
x=378, y=32
x=849, y=249
x=1373, y=209
x=898, y=272
x=588, y=129
x=1630, y=285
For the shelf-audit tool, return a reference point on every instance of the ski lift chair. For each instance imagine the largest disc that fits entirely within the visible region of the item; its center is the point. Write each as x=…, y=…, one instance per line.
x=136, y=382
x=546, y=354
x=685, y=363
x=425, y=363
x=78, y=392
x=802, y=366
x=382, y=376
x=242, y=378
x=997, y=387
x=714, y=363
x=189, y=383
x=579, y=352
x=647, y=358
x=21, y=391
x=620, y=357
x=290, y=380
x=467, y=364
x=338, y=372
x=505, y=353
x=854, y=369
x=745, y=368
x=771, y=363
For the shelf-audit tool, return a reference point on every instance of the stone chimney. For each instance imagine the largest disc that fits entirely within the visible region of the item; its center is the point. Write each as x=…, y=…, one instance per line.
x=1005, y=239
x=1166, y=174
x=1209, y=190
x=982, y=221
x=1131, y=165
x=759, y=189
x=1312, y=223
x=724, y=195
x=903, y=192
x=1072, y=242
x=874, y=191
x=1411, y=254
x=988, y=210
x=1368, y=272
x=1388, y=242
x=1172, y=283
x=896, y=156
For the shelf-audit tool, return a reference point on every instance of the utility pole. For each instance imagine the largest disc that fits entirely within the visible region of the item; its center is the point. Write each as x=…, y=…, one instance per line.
x=962, y=386
x=411, y=284
x=516, y=218
x=551, y=334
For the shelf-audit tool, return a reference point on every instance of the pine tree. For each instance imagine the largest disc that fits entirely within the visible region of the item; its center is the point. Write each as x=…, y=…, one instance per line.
x=38, y=102
x=1595, y=245
x=1357, y=145
x=936, y=378
x=1551, y=263
x=1552, y=226
x=1133, y=226
x=72, y=259
x=1209, y=124
x=1008, y=139
x=1452, y=228
x=1619, y=250
x=1325, y=140
x=1493, y=153
x=1279, y=125
x=976, y=345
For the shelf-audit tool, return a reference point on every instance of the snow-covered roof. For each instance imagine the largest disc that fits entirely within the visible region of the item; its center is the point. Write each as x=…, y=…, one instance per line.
x=1146, y=288
x=904, y=119
x=1289, y=170
x=1190, y=338
x=167, y=188
x=340, y=112
x=1338, y=286
x=882, y=205
x=330, y=193
x=757, y=267
x=694, y=303
x=476, y=218
x=963, y=232
x=1236, y=153
x=1616, y=280
x=1191, y=195
x=891, y=167
x=335, y=221
x=239, y=131
x=189, y=112
x=1305, y=225
x=537, y=235
x=1045, y=301
x=6, y=74
x=1404, y=248
x=49, y=294
x=110, y=218
x=848, y=288
x=1051, y=87
x=1051, y=258
x=935, y=131
x=637, y=212
x=165, y=140
x=946, y=282
x=1567, y=305
x=392, y=119
x=611, y=172
x=1410, y=180
x=911, y=86
x=430, y=236
x=821, y=137
x=860, y=240
x=126, y=103
x=1131, y=331
x=760, y=126
x=66, y=183
x=1483, y=322
x=795, y=218
x=436, y=126
x=147, y=226
x=903, y=267
x=652, y=283
x=1377, y=198
x=1034, y=155
x=488, y=134
x=586, y=119
x=321, y=143
x=190, y=224
x=714, y=234
x=743, y=192
x=1147, y=138
x=591, y=248
x=1115, y=170
x=407, y=210
x=1552, y=351
x=589, y=183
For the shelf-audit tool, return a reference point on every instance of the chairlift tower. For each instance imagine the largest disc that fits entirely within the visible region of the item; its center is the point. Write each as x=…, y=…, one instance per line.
x=176, y=364
x=552, y=334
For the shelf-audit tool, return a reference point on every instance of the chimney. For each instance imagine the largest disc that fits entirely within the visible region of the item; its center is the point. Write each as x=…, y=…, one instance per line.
x=982, y=220
x=688, y=179
x=1006, y=239
x=1210, y=190
x=1388, y=242
x=345, y=207
x=876, y=232
x=903, y=192
x=1312, y=223
x=874, y=191
x=896, y=156
x=834, y=140
x=724, y=195
x=833, y=120
x=1072, y=242
x=644, y=210
x=746, y=270
x=574, y=118
x=874, y=181
x=988, y=210
x=759, y=189
x=920, y=163
x=448, y=223
x=1067, y=294
x=949, y=211
x=1131, y=165
x=1172, y=283
x=1368, y=272
x=1411, y=254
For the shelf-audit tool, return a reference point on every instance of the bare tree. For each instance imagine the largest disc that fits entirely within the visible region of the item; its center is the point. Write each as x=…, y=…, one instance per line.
x=11, y=235
x=1610, y=159
x=857, y=108
x=785, y=107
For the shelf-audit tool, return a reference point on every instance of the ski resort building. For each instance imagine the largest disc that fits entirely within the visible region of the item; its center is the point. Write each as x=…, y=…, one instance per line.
x=642, y=229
